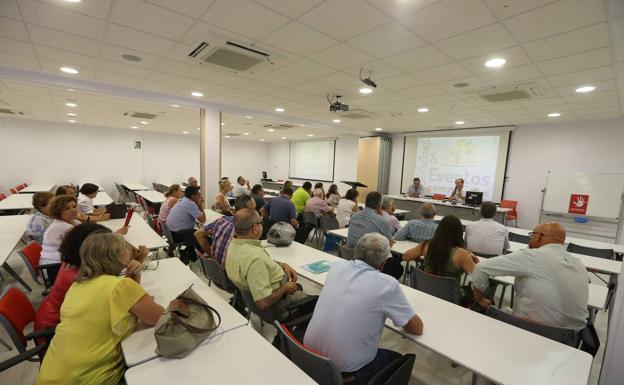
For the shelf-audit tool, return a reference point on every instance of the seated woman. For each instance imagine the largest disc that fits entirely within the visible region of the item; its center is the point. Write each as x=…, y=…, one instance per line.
x=63, y=211
x=333, y=196
x=319, y=185
x=71, y=191
x=445, y=255
x=346, y=207
x=173, y=194
x=40, y=220
x=100, y=309
x=88, y=192
x=221, y=204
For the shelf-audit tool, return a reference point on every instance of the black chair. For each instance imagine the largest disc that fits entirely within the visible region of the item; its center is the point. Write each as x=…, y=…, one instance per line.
x=328, y=223
x=513, y=237
x=173, y=245
x=592, y=252
x=345, y=253
x=565, y=336
x=486, y=256
x=445, y=288
x=312, y=222
x=27, y=355
x=215, y=273
x=48, y=275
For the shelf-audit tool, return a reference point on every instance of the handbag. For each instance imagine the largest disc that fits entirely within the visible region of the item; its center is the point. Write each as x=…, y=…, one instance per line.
x=188, y=323
x=116, y=210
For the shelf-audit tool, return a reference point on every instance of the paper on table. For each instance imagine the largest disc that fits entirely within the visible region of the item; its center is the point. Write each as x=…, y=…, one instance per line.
x=317, y=267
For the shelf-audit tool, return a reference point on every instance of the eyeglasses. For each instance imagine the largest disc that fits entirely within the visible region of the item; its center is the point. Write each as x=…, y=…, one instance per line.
x=535, y=232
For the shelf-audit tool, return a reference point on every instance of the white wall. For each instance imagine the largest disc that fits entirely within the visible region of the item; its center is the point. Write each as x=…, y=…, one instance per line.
x=244, y=158
x=345, y=166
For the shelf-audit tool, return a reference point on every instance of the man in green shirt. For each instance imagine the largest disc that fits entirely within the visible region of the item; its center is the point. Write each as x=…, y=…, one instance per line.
x=271, y=284
x=301, y=196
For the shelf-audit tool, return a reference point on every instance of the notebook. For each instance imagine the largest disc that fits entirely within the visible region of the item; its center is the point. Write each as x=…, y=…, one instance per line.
x=317, y=267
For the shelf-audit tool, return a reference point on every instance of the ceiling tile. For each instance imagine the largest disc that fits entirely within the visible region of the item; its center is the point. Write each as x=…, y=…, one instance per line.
x=290, y=8
x=52, y=67
x=400, y=8
x=200, y=32
x=8, y=8
x=114, y=53
x=192, y=8
x=512, y=75
x=16, y=47
x=379, y=70
x=95, y=8
x=70, y=59
x=388, y=40
x=18, y=61
x=138, y=14
x=418, y=59
x=442, y=73
x=559, y=17
x=62, y=20
x=483, y=40
x=13, y=29
x=597, y=58
x=582, y=77
x=307, y=69
x=279, y=78
x=515, y=57
x=341, y=57
x=117, y=79
x=474, y=83
x=422, y=91
x=505, y=8
x=584, y=39
x=299, y=39
x=121, y=69
x=312, y=88
x=169, y=79
x=400, y=82
x=331, y=18
x=51, y=38
x=140, y=41
x=601, y=86
x=244, y=17
x=339, y=80
x=259, y=87
x=458, y=16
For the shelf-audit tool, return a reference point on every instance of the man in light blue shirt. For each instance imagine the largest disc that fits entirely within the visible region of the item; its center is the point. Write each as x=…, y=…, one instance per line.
x=369, y=220
x=419, y=230
x=350, y=313
x=181, y=221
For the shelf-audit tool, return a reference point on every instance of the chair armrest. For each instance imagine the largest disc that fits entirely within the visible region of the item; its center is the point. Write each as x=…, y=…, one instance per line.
x=46, y=333
x=302, y=302
x=298, y=321
x=21, y=357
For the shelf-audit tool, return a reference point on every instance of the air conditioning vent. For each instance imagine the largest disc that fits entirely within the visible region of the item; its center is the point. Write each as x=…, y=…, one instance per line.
x=231, y=134
x=509, y=93
x=281, y=126
x=506, y=96
x=357, y=114
x=140, y=115
x=10, y=112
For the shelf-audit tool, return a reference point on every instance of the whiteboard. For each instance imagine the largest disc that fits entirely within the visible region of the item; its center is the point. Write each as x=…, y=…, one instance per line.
x=604, y=190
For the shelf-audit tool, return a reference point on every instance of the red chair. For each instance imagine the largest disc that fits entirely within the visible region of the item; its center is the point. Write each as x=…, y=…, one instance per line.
x=439, y=196
x=31, y=253
x=25, y=184
x=512, y=215
x=19, y=187
x=2, y=196
x=13, y=191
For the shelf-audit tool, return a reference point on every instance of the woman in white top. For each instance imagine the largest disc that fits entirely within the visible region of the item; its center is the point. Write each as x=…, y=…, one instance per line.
x=346, y=207
x=63, y=211
x=88, y=192
x=333, y=196
x=221, y=204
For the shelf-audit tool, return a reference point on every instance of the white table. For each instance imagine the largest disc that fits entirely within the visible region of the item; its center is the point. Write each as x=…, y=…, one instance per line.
x=139, y=232
x=240, y=356
x=211, y=215
x=13, y=223
x=135, y=186
x=8, y=241
x=37, y=188
x=399, y=247
x=102, y=199
x=152, y=196
x=17, y=202
x=165, y=283
x=271, y=191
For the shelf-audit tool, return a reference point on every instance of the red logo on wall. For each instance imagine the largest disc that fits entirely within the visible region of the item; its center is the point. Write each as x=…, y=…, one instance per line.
x=578, y=204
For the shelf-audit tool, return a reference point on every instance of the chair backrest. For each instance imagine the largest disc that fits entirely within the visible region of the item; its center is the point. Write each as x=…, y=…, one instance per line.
x=509, y=204
x=265, y=315
x=320, y=368
x=31, y=253
x=2, y=196
x=25, y=184
x=565, y=336
x=445, y=288
x=398, y=372
x=513, y=237
x=168, y=234
x=599, y=253
x=13, y=191
x=329, y=222
x=345, y=253
x=48, y=273
x=16, y=312
x=487, y=256
x=19, y=187
x=310, y=219
x=214, y=272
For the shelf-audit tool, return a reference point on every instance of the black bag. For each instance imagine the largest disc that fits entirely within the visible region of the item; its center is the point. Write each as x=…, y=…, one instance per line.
x=116, y=210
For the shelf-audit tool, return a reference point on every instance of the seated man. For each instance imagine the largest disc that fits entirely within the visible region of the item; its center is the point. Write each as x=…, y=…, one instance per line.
x=281, y=208
x=387, y=212
x=181, y=221
x=272, y=285
x=257, y=193
x=486, y=236
x=368, y=220
x=351, y=311
x=416, y=190
x=301, y=196
x=317, y=204
x=419, y=230
x=551, y=284
x=241, y=188
x=458, y=194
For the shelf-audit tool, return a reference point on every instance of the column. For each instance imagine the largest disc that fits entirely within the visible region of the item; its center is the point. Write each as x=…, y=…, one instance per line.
x=210, y=153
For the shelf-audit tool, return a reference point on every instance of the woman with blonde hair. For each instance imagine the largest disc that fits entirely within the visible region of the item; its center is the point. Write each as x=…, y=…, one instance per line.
x=221, y=203
x=99, y=310
x=173, y=194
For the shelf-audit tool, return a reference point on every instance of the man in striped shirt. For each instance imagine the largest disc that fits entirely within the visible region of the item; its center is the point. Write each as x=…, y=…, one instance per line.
x=419, y=230
x=487, y=236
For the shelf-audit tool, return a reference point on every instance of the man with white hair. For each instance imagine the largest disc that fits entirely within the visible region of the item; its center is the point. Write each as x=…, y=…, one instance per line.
x=317, y=204
x=387, y=212
x=358, y=292
x=419, y=230
x=192, y=181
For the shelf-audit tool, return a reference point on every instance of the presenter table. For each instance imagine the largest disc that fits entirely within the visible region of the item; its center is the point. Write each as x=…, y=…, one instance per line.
x=37, y=188
x=139, y=232
x=239, y=356
x=171, y=278
x=444, y=208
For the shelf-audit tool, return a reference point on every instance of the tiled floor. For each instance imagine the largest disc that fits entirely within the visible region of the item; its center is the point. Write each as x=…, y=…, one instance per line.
x=430, y=368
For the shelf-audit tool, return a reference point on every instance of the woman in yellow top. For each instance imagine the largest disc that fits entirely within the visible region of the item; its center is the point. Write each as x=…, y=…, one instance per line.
x=99, y=310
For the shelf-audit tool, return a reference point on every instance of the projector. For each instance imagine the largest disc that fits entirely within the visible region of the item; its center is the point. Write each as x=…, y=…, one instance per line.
x=338, y=105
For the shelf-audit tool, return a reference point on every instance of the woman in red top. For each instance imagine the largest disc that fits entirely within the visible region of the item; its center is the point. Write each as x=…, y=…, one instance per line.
x=49, y=313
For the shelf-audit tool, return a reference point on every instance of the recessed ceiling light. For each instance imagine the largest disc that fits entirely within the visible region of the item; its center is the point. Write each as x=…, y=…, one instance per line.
x=366, y=90
x=223, y=124
x=271, y=129
x=69, y=70
x=459, y=122
x=378, y=129
x=262, y=140
x=73, y=1
x=310, y=135
x=423, y=109
x=248, y=117
x=185, y=132
x=495, y=63
x=70, y=89
x=71, y=104
x=584, y=89
x=283, y=137
x=133, y=58
x=135, y=127
x=280, y=109
x=246, y=133
x=337, y=120
x=71, y=121
x=198, y=128
x=143, y=122
x=227, y=136
x=71, y=114
x=554, y=115
x=197, y=94
x=175, y=105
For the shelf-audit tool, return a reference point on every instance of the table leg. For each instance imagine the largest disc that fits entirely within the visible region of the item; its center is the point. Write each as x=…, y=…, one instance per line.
x=16, y=276
x=474, y=378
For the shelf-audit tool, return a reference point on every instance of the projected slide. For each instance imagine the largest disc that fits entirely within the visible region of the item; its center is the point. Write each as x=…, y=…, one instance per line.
x=312, y=160
x=439, y=161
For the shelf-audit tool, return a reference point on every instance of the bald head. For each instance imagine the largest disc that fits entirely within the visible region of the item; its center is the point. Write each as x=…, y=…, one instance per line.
x=246, y=223
x=546, y=233
x=428, y=211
